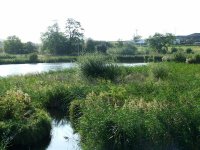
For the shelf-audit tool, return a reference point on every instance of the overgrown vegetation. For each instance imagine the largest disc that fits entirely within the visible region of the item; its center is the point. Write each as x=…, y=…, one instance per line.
x=99, y=66
x=154, y=106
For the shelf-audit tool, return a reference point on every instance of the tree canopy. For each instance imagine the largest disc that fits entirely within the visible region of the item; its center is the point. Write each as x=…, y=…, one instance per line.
x=68, y=42
x=160, y=42
x=13, y=45
x=90, y=45
x=74, y=33
x=54, y=40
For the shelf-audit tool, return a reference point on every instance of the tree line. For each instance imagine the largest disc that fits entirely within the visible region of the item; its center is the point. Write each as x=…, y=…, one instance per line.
x=71, y=42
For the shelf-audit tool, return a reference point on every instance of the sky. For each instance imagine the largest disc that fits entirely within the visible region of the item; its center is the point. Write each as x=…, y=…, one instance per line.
x=109, y=20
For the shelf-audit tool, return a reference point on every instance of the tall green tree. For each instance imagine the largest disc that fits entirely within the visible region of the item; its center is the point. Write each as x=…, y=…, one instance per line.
x=74, y=32
x=160, y=42
x=29, y=47
x=90, y=45
x=55, y=41
x=13, y=45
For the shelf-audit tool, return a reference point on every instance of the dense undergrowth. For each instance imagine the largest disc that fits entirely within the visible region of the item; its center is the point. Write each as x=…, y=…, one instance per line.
x=147, y=107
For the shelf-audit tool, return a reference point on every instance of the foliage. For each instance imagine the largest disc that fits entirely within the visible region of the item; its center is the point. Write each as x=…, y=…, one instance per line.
x=174, y=50
x=90, y=45
x=102, y=48
x=194, y=60
x=13, y=45
x=159, y=71
x=129, y=49
x=188, y=50
x=29, y=47
x=21, y=121
x=154, y=106
x=55, y=41
x=131, y=59
x=160, y=42
x=158, y=114
x=74, y=33
x=33, y=58
x=97, y=66
x=70, y=42
x=179, y=57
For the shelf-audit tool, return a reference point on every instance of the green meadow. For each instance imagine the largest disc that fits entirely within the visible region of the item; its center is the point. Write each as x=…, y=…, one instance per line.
x=155, y=106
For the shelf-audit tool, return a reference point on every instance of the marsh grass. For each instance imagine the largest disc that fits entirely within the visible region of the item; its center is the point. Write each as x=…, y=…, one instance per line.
x=99, y=66
x=154, y=106
x=153, y=114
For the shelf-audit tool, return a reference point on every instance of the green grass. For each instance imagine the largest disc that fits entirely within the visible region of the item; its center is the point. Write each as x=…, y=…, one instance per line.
x=21, y=59
x=195, y=48
x=154, y=106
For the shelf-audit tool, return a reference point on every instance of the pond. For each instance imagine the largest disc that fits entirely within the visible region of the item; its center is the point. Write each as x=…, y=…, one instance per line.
x=62, y=133
x=22, y=69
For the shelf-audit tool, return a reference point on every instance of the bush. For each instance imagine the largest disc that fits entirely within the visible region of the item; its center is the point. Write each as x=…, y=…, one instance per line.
x=14, y=105
x=179, y=57
x=157, y=58
x=33, y=58
x=131, y=59
x=174, y=50
x=194, y=60
x=159, y=71
x=96, y=66
x=75, y=112
x=35, y=131
x=129, y=49
x=167, y=58
x=149, y=58
x=188, y=50
x=58, y=98
x=20, y=121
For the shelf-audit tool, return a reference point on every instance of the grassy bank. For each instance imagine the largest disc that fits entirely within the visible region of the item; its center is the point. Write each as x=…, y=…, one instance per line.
x=22, y=59
x=148, y=107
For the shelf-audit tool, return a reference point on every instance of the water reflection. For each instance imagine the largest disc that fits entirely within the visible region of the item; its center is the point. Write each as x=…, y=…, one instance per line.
x=63, y=137
x=22, y=69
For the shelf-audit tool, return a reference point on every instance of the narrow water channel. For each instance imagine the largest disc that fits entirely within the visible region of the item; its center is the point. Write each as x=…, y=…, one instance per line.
x=63, y=136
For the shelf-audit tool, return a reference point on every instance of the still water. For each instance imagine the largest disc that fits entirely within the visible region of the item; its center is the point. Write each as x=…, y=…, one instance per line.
x=63, y=137
x=23, y=69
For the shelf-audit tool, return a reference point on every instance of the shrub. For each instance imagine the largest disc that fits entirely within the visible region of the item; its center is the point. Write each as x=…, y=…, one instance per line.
x=75, y=111
x=167, y=58
x=33, y=58
x=58, y=97
x=150, y=59
x=159, y=71
x=15, y=104
x=157, y=58
x=98, y=67
x=179, y=57
x=36, y=130
x=129, y=49
x=21, y=121
x=194, y=60
x=174, y=50
x=131, y=59
x=188, y=50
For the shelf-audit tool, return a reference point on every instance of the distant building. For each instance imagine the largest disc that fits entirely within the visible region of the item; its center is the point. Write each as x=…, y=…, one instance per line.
x=140, y=42
x=188, y=39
